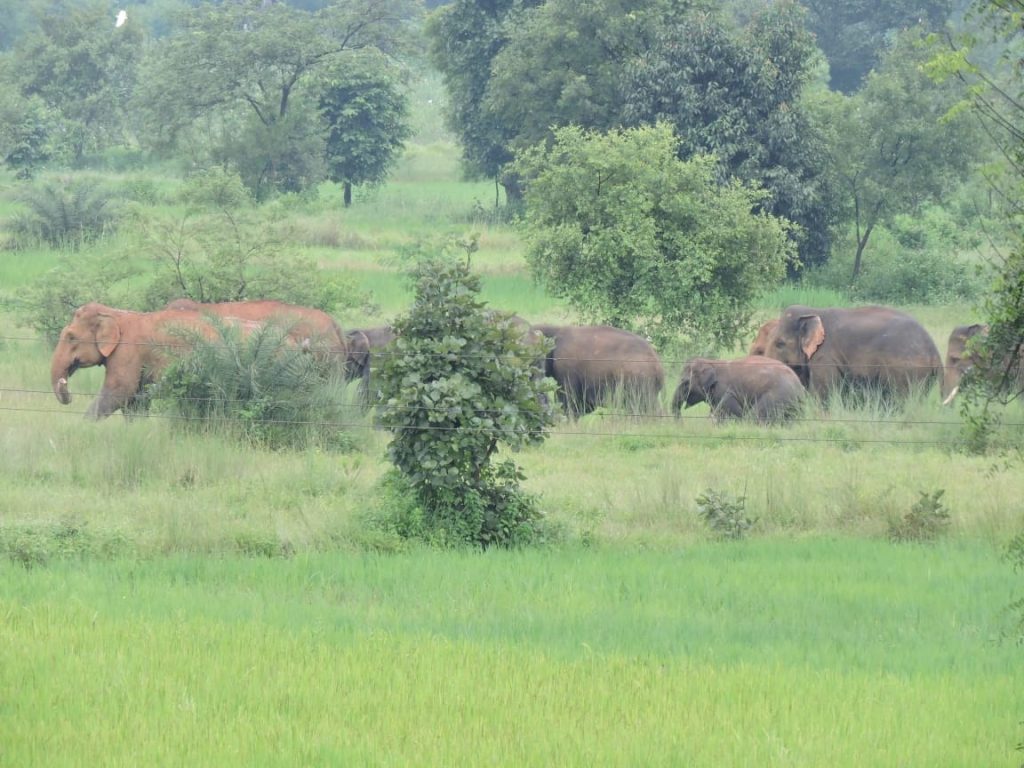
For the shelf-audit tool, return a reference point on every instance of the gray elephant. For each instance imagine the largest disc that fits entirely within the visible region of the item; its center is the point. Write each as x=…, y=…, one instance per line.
x=592, y=362
x=958, y=359
x=750, y=387
x=866, y=349
x=1007, y=377
x=364, y=344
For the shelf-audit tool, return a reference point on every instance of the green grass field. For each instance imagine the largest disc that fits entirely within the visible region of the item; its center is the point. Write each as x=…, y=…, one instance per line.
x=171, y=598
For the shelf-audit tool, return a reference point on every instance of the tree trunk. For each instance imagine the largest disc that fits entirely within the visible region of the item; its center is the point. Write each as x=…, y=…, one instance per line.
x=858, y=258
x=347, y=194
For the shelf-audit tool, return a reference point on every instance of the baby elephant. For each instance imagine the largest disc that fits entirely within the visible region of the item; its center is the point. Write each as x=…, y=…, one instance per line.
x=753, y=386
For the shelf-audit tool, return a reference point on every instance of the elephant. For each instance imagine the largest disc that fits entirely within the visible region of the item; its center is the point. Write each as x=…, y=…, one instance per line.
x=589, y=363
x=754, y=386
x=311, y=328
x=132, y=346
x=363, y=345
x=960, y=359
x=765, y=337
x=856, y=350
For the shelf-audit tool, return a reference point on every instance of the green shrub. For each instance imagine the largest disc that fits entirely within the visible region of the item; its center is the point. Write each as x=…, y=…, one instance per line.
x=908, y=263
x=725, y=514
x=264, y=389
x=64, y=213
x=926, y=521
x=1015, y=555
x=463, y=383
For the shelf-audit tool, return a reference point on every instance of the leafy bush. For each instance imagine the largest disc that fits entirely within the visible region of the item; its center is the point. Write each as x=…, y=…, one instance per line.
x=724, y=514
x=64, y=213
x=926, y=521
x=912, y=262
x=262, y=388
x=634, y=237
x=461, y=385
x=36, y=545
x=48, y=303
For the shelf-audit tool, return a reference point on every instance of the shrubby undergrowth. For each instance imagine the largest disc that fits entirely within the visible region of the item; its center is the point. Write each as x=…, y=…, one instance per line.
x=262, y=387
x=463, y=383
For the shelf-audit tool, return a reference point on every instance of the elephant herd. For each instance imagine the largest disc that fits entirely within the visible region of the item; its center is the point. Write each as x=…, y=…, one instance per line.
x=804, y=350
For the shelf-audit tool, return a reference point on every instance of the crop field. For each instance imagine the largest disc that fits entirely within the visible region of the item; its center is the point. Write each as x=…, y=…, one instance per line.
x=169, y=597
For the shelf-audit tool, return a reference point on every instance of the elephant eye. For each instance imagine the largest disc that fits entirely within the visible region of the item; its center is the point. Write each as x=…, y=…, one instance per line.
x=780, y=344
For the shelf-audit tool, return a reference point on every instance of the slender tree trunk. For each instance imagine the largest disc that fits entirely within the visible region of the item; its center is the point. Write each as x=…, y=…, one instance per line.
x=861, y=244
x=347, y=194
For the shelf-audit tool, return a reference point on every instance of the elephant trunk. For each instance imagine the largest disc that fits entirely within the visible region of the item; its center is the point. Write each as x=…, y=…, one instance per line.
x=950, y=384
x=59, y=378
x=950, y=397
x=678, y=399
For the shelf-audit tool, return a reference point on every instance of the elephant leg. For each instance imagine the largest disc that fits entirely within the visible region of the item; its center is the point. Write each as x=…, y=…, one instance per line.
x=106, y=403
x=729, y=406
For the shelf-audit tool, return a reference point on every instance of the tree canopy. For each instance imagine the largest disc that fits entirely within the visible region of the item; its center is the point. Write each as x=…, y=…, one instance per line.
x=252, y=74
x=855, y=33
x=899, y=145
x=635, y=237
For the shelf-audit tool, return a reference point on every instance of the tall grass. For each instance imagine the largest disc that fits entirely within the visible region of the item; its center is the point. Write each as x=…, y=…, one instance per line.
x=812, y=653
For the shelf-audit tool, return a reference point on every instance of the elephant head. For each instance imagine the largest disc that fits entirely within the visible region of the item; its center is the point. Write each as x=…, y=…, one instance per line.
x=958, y=358
x=89, y=339
x=796, y=340
x=765, y=338
x=357, y=362
x=696, y=384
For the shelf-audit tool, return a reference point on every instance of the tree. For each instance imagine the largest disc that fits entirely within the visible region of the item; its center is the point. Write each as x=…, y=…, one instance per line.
x=898, y=145
x=464, y=38
x=460, y=386
x=563, y=65
x=367, y=121
x=256, y=70
x=636, y=238
x=83, y=69
x=738, y=93
x=995, y=94
x=854, y=34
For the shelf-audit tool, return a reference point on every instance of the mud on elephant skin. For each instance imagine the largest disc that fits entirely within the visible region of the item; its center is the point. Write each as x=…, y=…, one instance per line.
x=750, y=387
x=134, y=347
x=860, y=350
x=591, y=363
x=311, y=328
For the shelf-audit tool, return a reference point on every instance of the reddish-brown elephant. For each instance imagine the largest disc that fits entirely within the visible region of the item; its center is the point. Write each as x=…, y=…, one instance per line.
x=765, y=337
x=750, y=387
x=311, y=328
x=1005, y=374
x=134, y=347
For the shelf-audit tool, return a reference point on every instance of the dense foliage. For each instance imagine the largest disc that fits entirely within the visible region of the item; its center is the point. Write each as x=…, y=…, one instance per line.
x=634, y=237
x=460, y=385
x=898, y=145
x=738, y=93
x=243, y=80
x=366, y=114
x=854, y=33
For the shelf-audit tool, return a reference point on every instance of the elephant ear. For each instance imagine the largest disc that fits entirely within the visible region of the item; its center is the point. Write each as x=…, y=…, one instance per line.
x=108, y=334
x=812, y=334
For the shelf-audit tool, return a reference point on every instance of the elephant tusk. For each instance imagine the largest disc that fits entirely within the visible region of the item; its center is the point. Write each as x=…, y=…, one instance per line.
x=952, y=394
